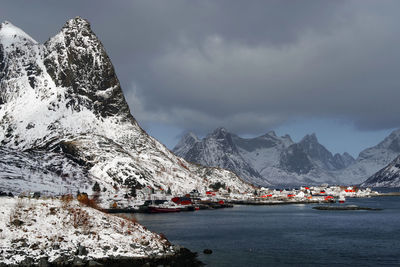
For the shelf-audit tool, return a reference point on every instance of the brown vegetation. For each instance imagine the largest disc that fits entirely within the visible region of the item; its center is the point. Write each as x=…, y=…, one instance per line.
x=85, y=200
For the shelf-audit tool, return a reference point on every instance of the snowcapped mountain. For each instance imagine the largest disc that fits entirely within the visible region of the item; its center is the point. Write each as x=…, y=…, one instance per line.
x=264, y=160
x=217, y=149
x=322, y=156
x=62, y=100
x=386, y=177
x=372, y=159
x=280, y=161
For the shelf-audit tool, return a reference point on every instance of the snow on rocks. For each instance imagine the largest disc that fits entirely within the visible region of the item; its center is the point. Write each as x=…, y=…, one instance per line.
x=10, y=34
x=78, y=111
x=62, y=232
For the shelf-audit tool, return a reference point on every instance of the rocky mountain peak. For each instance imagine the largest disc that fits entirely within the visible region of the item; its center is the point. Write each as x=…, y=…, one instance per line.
x=342, y=161
x=77, y=23
x=391, y=142
x=190, y=136
x=76, y=59
x=220, y=130
x=69, y=74
x=217, y=149
x=220, y=133
x=310, y=138
x=288, y=139
x=186, y=143
x=9, y=33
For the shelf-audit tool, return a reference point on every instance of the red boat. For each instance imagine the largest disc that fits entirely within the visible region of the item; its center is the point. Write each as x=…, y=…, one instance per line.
x=153, y=209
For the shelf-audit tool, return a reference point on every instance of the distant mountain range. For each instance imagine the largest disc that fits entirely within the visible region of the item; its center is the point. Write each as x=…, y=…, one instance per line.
x=273, y=160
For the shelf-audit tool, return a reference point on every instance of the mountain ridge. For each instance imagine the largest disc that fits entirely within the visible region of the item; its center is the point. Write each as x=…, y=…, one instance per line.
x=266, y=157
x=310, y=162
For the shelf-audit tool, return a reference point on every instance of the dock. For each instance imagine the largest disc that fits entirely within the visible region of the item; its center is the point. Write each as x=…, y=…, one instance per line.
x=389, y=194
x=274, y=202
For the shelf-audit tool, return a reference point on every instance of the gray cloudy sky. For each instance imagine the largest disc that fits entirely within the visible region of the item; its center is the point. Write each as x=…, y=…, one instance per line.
x=330, y=67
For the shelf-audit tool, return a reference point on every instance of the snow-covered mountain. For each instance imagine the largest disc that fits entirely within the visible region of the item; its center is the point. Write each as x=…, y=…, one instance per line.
x=386, y=177
x=280, y=161
x=264, y=160
x=373, y=159
x=217, y=149
x=62, y=100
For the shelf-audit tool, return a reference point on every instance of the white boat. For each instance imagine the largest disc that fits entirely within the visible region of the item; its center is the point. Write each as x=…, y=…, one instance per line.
x=342, y=199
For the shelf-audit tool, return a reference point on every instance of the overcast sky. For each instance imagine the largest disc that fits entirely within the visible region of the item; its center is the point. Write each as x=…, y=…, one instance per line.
x=329, y=67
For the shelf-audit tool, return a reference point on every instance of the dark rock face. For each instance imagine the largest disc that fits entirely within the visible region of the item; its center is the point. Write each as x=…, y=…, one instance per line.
x=318, y=152
x=395, y=145
x=302, y=157
x=296, y=160
x=268, y=140
x=76, y=59
x=2, y=65
x=343, y=161
x=387, y=177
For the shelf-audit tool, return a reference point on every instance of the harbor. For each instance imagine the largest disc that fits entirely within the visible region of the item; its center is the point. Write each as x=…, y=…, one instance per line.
x=161, y=202
x=295, y=235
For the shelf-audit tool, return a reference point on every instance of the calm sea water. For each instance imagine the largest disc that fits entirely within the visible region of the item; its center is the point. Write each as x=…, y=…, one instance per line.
x=295, y=235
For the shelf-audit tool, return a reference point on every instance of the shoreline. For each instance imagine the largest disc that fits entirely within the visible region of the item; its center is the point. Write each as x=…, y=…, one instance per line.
x=182, y=258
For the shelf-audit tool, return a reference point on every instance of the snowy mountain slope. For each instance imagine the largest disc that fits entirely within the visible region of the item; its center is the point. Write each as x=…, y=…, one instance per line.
x=77, y=108
x=386, y=177
x=263, y=152
x=50, y=173
x=371, y=160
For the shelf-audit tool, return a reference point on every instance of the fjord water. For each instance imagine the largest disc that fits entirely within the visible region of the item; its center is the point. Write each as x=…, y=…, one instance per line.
x=287, y=235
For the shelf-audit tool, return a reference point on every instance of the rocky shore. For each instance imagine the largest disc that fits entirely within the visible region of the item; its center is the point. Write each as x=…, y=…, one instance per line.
x=54, y=232
x=181, y=258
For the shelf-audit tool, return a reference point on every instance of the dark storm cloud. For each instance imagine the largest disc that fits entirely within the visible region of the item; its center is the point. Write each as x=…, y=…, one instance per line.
x=246, y=65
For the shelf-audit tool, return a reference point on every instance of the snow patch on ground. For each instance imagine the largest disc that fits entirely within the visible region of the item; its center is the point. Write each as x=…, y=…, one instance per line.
x=54, y=229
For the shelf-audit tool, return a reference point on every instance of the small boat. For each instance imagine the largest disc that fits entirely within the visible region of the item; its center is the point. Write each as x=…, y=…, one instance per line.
x=165, y=207
x=155, y=209
x=342, y=199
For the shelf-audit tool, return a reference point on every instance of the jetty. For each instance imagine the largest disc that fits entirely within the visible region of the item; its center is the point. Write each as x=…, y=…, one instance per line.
x=348, y=207
x=274, y=202
x=389, y=194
